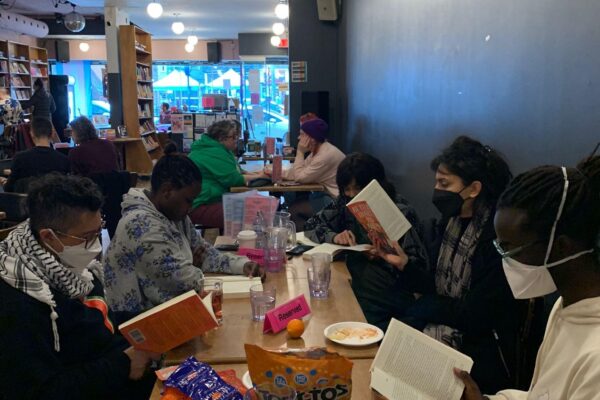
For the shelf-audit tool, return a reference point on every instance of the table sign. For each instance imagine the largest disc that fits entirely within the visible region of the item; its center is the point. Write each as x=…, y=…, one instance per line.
x=277, y=319
x=256, y=255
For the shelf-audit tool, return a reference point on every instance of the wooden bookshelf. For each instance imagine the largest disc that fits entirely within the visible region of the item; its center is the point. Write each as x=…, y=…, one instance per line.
x=38, y=65
x=135, y=53
x=19, y=81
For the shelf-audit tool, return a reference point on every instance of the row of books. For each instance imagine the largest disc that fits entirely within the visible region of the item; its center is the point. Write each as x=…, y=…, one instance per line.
x=3, y=66
x=17, y=81
x=143, y=73
x=21, y=94
x=149, y=142
x=19, y=68
x=3, y=81
x=144, y=91
x=144, y=111
x=40, y=72
x=147, y=126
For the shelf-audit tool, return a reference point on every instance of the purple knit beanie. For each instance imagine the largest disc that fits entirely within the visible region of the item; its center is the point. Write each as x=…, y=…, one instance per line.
x=316, y=129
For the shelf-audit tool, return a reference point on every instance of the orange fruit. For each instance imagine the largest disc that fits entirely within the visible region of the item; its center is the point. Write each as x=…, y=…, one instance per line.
x=295, y=328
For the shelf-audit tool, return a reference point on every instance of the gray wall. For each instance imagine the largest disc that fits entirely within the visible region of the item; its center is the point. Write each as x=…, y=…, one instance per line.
x=315, y=42
x=258, y=44
x=521, y=76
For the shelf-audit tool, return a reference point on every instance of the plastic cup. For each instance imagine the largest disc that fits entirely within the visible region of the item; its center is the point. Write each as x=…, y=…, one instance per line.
x=319, y=275
x=261, y=300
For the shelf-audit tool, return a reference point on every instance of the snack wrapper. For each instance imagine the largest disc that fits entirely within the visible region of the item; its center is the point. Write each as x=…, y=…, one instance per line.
x=199, y=381
x=315, y=373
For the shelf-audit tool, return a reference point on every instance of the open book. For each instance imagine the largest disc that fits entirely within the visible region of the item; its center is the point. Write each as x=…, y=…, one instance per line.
x=377, y=213
x=170, y=324
x=328, y=248
x=410, y=365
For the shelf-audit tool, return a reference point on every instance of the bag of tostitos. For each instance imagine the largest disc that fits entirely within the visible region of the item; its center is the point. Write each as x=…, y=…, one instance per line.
x=315, y=373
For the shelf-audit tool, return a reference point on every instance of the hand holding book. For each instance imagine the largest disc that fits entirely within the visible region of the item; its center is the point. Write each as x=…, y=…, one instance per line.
x=390, y=252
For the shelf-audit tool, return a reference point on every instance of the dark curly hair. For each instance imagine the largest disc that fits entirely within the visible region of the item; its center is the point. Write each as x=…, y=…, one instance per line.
x=174, y=168
x=472, y=161
x=539, y=191
x=362, y=168
x=52, y=198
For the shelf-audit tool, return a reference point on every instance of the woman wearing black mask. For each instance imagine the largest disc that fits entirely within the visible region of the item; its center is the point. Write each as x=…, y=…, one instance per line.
x=467, y=304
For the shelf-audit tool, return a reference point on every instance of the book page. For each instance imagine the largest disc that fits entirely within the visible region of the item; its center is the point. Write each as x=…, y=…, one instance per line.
x=411, y=365
x=389, y=216
x=302, y=239
x=335, y=248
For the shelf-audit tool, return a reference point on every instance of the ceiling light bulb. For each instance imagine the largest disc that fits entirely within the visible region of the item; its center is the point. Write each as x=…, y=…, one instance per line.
x=282, y=11
x=193, y=40
x=278, y=28
x=154, y=10
x=83, y=46
x=178, y=28
x=189, y=47
x=275, y=41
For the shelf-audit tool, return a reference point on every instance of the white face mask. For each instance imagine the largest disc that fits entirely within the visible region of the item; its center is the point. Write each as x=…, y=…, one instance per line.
x=77, y=258
x=529, y=281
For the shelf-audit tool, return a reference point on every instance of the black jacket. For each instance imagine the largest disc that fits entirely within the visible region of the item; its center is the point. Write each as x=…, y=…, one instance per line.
x=42, y=103
x=34, y=162
x=91, y=363
x=487, y=307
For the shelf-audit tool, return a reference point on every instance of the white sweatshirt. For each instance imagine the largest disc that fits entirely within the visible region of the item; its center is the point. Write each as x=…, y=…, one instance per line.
x=568, y=362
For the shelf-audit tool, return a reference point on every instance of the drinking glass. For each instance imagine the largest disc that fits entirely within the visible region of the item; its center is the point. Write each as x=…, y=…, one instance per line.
x=270, y=391
x=261, y=300
x=216, y=287
x=275, y=252
x=319, y=275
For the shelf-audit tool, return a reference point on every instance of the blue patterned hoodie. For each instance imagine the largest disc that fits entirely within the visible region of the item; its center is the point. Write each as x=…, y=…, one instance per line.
x=149, y=260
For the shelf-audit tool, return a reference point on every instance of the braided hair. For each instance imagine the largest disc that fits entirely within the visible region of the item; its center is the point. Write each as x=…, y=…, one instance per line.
x=176, y=169
x=472, y=161
x=538, y=192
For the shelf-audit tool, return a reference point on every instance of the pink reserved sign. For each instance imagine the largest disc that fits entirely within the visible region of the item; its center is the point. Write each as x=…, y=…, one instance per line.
x=256, y=255
x=277, y=319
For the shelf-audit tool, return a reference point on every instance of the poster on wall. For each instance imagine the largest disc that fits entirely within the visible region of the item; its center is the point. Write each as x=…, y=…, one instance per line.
x=299, y=71
x=254, y=81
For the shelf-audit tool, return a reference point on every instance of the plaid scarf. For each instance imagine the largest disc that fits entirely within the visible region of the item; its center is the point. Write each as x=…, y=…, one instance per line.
x=28, y=267
x=453, y=272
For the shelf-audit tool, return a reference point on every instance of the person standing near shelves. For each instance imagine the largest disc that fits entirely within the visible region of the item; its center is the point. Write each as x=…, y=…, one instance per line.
x=93, y=155
x=41, y=101
x=10, y=109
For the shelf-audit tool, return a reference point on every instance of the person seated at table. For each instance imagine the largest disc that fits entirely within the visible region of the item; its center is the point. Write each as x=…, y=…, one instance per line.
x=156, y=253
x=548, y=226
x=466, y=303
x=58, y=338
x=165, y=114
x=214, y=155
x=380, y=291
x=36, y=161
x=92, y=155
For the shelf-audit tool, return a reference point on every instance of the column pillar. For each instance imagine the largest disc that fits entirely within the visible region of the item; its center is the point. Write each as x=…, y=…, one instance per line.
x=113, y=18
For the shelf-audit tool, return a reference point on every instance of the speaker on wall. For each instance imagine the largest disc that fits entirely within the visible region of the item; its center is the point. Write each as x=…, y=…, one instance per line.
x=62, y=51
x=213, y=50
x=316, y=102
x=327, y=10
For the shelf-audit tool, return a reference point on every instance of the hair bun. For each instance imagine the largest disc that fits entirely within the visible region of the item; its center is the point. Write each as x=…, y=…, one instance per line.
x=170, y=149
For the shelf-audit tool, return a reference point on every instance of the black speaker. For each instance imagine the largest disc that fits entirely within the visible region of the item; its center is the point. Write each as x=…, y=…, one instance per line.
x=62, y=51
x=60, y=93
x=316, y=102
x=213, y=50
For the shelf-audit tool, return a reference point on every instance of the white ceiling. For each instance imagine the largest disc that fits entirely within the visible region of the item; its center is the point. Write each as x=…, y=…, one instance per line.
x=207, y=19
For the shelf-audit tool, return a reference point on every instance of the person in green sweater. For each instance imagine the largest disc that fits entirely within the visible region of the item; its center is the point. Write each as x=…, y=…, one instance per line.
x=213, y=154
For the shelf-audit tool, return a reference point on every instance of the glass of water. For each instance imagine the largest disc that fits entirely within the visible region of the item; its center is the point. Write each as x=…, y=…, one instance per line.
x=262, y=299
x=319, y=275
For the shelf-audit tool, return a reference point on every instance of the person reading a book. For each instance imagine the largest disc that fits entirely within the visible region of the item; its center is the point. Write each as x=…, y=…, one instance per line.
x=214, y=155
x=466, y=303
x=548, y=226
x=156, y=253
x=380, y=290
x=58, y=338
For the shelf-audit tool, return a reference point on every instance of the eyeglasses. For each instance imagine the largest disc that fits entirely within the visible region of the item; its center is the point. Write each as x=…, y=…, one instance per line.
x=90, y=239
x=512, y=252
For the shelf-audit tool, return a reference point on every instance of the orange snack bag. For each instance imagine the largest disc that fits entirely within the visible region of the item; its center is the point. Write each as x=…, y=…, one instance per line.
x=314, y=373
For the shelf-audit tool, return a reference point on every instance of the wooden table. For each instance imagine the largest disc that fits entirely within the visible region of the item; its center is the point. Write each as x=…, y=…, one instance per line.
x=361, y=378
x=308, y=187
x=259, y=158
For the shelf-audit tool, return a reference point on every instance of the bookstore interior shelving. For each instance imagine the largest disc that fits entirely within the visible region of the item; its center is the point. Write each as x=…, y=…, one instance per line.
x=20, y=66
x=135, y=54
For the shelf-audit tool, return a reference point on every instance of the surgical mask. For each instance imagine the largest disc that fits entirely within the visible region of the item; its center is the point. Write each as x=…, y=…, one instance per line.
x=77, y=257
x=448, y=203
x=529, y=281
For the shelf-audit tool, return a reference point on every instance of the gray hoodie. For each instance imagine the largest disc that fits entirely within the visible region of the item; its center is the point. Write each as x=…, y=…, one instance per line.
x=149, y=260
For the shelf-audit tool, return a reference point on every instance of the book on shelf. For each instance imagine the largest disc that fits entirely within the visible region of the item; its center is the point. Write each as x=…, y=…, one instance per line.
x=149, y=142
x=411, y=365
x=147, y=126
x=21, y=94
x=143, y=73
x=170, y=324
x=16, y=81
x=144, y=110
x=378, y=214
x=3, y=66
x=144, y=91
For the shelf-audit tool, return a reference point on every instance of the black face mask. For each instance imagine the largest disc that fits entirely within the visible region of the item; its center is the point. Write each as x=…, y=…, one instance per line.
x=447, y=202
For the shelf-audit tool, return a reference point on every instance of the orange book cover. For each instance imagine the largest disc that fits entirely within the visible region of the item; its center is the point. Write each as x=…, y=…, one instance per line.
x=367, y=218
x=170, y=324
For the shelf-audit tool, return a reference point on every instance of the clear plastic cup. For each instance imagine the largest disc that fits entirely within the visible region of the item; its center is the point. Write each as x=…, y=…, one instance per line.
x=319, y=275
x=262, y=299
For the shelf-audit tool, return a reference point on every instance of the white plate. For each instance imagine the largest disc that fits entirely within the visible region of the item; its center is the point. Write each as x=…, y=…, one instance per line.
x=353, y=341
x=246, y=380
